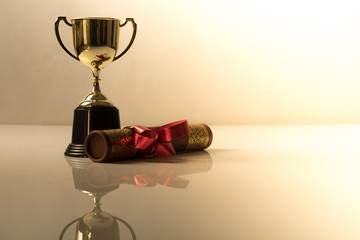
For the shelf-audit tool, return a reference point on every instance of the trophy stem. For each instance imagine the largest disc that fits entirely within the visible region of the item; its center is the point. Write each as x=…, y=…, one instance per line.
x=97, y=204
x=95, y=97
x=96, y=87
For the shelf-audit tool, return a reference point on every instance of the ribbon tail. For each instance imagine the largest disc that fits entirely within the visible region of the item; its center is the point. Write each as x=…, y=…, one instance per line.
x=164, y=150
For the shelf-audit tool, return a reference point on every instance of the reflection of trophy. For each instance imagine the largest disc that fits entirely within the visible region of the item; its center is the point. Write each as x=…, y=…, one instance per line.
x=98, y=225
x=96, y=44
x=97, y=179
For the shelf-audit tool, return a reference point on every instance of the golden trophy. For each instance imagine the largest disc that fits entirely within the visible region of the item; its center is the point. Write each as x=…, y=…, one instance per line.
x=96, y=44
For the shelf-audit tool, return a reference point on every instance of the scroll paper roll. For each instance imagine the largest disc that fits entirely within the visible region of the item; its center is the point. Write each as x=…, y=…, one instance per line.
x=118, y=144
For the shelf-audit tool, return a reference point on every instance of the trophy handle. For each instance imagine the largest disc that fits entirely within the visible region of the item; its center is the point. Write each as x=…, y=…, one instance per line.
x=58, y=35
x=132, y=37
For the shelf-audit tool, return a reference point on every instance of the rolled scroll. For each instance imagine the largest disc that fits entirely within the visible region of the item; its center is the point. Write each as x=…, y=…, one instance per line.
x=139, y=141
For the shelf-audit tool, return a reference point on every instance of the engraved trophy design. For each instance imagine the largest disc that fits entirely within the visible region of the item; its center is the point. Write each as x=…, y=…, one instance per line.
x=96, y=44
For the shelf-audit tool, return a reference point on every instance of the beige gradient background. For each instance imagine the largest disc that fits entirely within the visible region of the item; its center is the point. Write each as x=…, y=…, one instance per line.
x=218, y=62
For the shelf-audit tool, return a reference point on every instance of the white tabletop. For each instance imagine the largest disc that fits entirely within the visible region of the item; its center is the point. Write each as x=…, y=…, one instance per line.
x=254, y=182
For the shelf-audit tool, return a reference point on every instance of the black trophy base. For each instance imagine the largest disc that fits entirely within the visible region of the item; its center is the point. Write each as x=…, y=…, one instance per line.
x=75, y=150
x=87, y=119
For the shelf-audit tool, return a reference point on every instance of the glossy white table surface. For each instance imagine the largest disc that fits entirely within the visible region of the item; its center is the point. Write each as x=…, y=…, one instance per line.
x=254, y=182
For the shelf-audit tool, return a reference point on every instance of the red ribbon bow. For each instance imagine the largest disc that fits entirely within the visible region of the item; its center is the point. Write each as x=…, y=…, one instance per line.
x=156, y=140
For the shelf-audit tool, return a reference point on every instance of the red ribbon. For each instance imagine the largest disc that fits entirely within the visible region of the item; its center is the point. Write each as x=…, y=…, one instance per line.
x=156, y=140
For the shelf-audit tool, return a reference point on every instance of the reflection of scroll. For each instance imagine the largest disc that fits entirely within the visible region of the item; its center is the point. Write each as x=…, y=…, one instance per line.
x=96, y=180
x=102, y=178
x=99, y=60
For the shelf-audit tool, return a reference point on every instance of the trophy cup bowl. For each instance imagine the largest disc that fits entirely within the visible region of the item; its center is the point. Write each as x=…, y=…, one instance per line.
x=95, y=44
